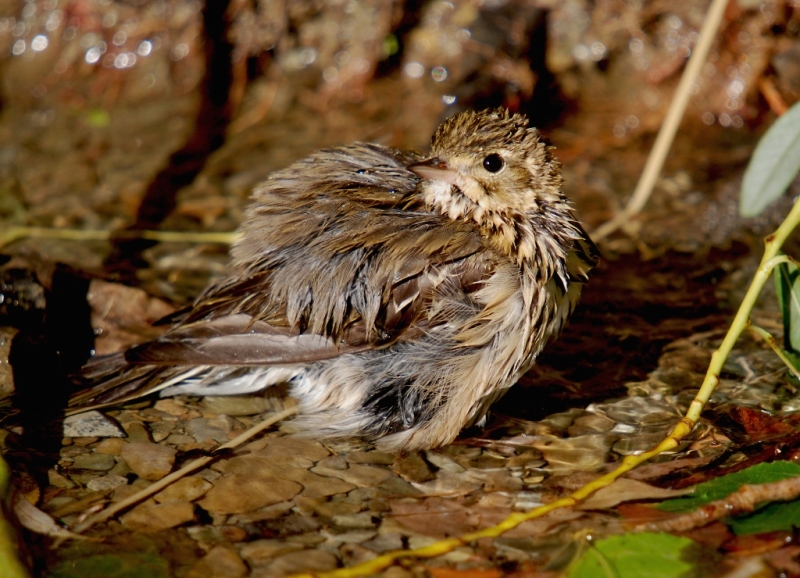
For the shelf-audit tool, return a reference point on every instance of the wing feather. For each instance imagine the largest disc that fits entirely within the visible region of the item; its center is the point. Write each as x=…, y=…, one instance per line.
x=330, y=264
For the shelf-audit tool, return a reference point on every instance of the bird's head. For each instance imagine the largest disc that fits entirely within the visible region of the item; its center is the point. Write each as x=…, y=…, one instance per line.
x=491, y=167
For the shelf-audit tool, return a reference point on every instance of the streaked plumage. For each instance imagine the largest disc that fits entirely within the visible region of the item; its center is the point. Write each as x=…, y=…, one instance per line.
x=399, y=296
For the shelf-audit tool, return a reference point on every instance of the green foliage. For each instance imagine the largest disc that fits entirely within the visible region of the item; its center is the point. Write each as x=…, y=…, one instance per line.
x=121, y=565
x=98, y=118
x=721, y=487
x=645, y=555
x=787, y=285
x=771, y=518
x=774, y=164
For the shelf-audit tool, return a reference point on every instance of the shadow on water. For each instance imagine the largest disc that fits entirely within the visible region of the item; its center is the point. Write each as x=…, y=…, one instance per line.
x=213, y=115
x=629, y=312
x=54, y=339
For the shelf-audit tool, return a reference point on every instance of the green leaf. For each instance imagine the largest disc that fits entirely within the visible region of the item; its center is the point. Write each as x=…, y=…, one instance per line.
x=121, y=565
x=98, y=118
x=787, y=285
x=774, y=164
x=721, y=487
x=771, y=518
x=645, y=555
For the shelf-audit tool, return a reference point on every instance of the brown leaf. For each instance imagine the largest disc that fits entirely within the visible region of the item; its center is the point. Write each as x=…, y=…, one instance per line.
x=640, y=513
x=37, y=521
x=758, y=543
x=123, y=316
x=627, y=490
x=436, y=517
x=712, y=535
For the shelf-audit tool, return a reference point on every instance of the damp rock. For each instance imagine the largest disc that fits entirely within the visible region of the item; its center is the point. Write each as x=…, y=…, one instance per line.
x=148, y=518
x=186, y=489
x=236, y=494
x=94, y=461
x=91, y=424
x=108, y=482
x=149, y=461
x=303, y=562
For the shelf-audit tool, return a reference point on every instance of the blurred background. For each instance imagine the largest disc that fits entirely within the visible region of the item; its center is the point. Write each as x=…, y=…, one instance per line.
x=164, y=114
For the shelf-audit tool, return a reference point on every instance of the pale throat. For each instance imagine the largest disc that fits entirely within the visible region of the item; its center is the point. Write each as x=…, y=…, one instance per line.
x=514, y=237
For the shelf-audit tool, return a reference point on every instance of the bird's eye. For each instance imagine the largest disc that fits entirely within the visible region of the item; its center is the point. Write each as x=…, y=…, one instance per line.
x=493, y=163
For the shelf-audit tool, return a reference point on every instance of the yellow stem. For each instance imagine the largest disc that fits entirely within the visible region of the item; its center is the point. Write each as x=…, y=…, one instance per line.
x=9, y=560
x=767, y=336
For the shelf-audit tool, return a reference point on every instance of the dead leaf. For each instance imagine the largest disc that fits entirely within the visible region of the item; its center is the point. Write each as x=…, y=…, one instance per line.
x=627, y=490
x=438, y=517
x=37, y=521
x=123, y=316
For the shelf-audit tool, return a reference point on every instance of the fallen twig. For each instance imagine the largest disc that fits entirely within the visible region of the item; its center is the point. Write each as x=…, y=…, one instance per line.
x=188, y=468
x=669, y=127
x=743, y=500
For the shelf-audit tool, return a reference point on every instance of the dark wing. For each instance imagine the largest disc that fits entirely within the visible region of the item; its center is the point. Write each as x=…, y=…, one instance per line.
x=330, y=262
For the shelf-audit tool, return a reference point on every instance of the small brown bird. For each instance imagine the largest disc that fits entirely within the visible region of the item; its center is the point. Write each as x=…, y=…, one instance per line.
x=399, y=297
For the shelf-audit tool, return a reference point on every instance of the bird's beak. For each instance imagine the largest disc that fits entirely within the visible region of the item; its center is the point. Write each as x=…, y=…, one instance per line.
x=435, y=170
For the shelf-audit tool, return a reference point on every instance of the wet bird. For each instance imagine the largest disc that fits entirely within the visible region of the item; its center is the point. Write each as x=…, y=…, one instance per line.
x=398, y=295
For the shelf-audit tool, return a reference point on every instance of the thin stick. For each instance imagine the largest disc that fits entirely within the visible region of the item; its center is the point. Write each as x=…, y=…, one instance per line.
x=669, y=127
x=12, y=234
x=767, y=336
x=174, y=476
x=743, y=500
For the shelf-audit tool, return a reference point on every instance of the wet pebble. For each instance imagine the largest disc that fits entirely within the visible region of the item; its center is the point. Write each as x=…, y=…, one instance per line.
x=186, y=489
x=334, y=541
x=179, y=439
x=174, y=408
x=221, y=561
x=336, y=509
x=94, y=461
x=303, y=562
x=91, y=423
x=385, y=542
x=272, y=512
x=261, y=552
x=137, y=432
x=237, y=493
x=108, y=482
x=120, y=469
x=147, y=460
x=161, y=430
x=363, y=520
x=111, y=446
x=578, y=453
x=224, y=422
x=277, y=447
x=360, y=475
x=412, y=468
x=71, y=452
x=447, y=483
x=202, y=431
x=151, y=518
x=234, y=405
x=444, y=462
x=374, y=457
x=59, y=481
